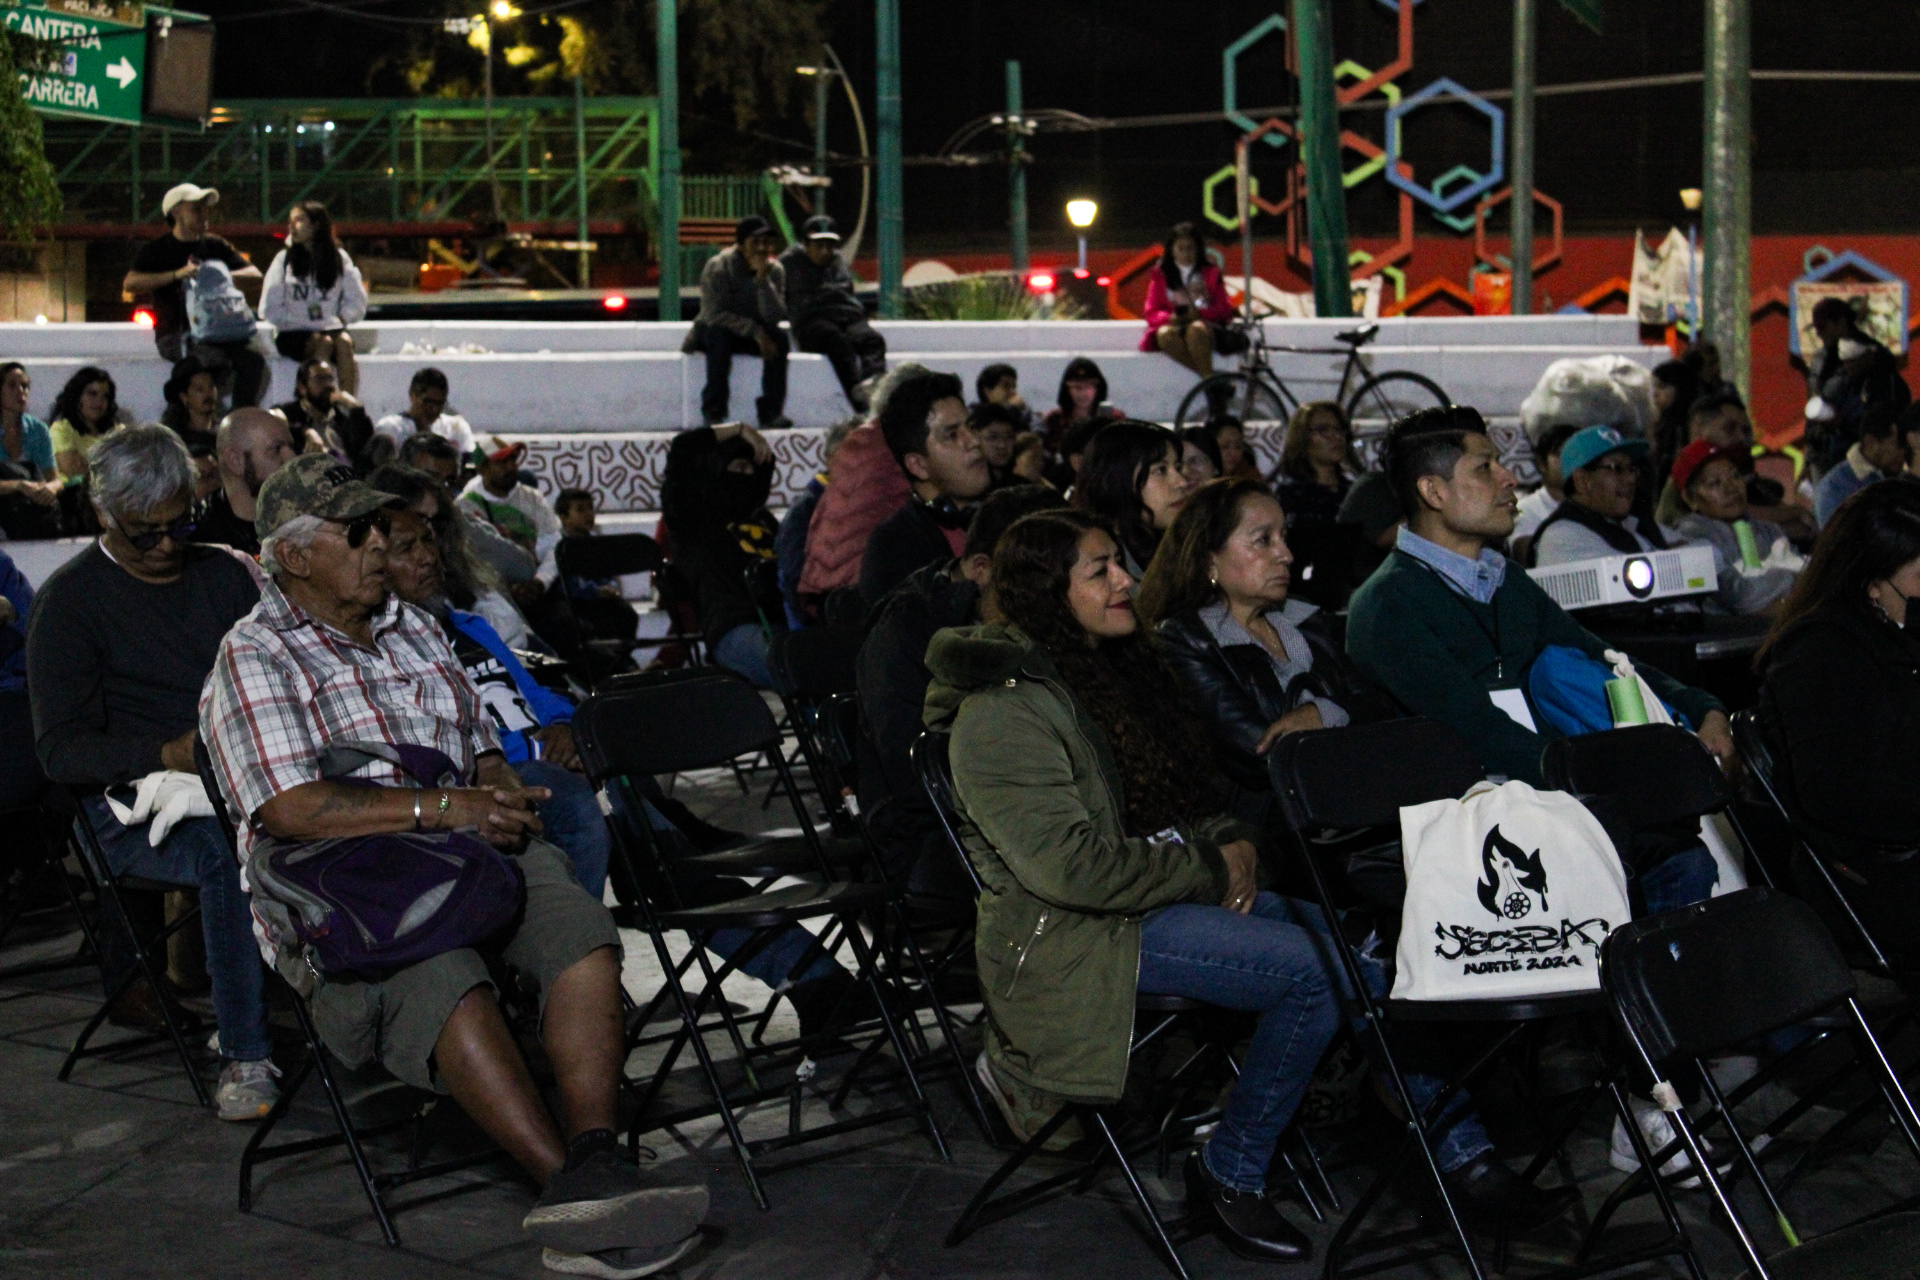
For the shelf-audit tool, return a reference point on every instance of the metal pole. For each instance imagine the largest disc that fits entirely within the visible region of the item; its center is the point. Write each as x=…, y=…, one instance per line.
x=493, y=178
x=1243, y=205
x=1320, y=148
x=667, y=37
x=822, y=82
x=892, y=238
x=585, y=275
x=1727, y=214
x=1016, y=172
x=1520, y=204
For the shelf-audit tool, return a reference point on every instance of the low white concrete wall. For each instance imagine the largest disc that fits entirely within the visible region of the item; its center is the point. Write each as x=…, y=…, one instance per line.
x=542, y=377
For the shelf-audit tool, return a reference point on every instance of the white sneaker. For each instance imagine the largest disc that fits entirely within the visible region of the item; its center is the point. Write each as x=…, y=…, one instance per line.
x=1658, y=1131
x=618, y=1264
x=247, y=1090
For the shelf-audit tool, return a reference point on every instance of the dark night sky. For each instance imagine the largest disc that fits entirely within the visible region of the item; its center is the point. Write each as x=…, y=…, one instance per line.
x=1828, y=157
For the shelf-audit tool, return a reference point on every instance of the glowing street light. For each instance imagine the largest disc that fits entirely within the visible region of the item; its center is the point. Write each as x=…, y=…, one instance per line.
x=1081, y=214
x=503, y=9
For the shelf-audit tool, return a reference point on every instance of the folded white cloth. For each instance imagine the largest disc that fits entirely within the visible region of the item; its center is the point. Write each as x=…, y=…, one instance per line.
x=161, y=800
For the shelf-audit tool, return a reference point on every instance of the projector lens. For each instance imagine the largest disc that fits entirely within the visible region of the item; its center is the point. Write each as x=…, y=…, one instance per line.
x=1638, y=574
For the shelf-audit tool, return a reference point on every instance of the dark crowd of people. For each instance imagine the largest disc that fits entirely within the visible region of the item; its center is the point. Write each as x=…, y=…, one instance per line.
x=1116, y=622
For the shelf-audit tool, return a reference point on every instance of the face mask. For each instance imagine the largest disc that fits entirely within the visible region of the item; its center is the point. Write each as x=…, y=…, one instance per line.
x=1911, y=627
x=1849, y=348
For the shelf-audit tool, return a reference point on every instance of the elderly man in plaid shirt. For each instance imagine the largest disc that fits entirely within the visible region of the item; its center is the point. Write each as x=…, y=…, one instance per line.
x=330, y=655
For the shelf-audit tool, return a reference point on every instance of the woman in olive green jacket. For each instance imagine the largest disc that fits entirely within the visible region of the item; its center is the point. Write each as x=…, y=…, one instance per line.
x=1090, y=807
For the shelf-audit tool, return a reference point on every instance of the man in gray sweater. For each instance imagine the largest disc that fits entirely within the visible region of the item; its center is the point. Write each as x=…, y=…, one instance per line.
x=742, y=302
x=122, y=637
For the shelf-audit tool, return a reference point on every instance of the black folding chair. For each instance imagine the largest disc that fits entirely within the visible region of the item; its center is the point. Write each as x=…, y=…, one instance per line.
x=692, y=724
x=611, y=555
x=41, y=844
x=1356, y=779
x=809, y=666
x=1695, y=982
x=149, y=957
x=1154, y=1017
x=409, y=1104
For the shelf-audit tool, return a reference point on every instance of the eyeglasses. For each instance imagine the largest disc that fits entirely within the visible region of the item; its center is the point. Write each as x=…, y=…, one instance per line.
x=179, y=531
x=356, y=529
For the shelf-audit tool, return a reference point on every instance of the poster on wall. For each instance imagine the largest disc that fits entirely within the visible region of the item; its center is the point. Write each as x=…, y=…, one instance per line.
x=1880, y=301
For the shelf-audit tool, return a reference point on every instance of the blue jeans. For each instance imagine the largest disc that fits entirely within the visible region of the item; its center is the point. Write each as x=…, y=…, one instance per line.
x=1275, y=961
x=1687, y=877
x=573, y=821
x=194, y=854
x=779, y=960
x=744, y=650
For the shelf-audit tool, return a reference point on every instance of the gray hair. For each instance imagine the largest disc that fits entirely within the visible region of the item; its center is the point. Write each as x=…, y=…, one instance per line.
x=877, y=403
x=139, y=469
x=297, y=532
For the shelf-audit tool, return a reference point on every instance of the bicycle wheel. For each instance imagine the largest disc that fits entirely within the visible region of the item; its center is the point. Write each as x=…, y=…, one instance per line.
x=1384, y=399
x=1256, y=400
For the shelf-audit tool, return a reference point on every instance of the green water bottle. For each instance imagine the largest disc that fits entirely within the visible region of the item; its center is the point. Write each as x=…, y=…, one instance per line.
x=1749, y=549
x=1624, y=700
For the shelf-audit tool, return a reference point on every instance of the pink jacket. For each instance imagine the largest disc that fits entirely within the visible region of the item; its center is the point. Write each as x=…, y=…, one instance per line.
x=867, y=487
x=1219, y=308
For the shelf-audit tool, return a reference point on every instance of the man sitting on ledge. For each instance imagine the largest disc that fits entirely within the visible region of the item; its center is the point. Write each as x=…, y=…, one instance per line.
x=331, y=656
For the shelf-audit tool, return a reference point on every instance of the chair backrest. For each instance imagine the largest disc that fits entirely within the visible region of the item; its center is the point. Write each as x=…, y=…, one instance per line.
x=932, y=762
x=203, y=765
x=845, y=606
x=839, y=735
x=1363, y=775
x=672, y=726
x=816, y=662
x=1654, y=773
x=609, y=555
x=1692, y=982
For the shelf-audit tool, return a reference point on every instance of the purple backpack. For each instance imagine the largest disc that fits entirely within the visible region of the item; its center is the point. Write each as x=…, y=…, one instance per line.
x=369, y=906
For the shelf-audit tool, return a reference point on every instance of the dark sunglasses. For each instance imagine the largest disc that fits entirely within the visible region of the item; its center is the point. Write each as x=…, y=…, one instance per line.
x=179, y=531
x=357, y=528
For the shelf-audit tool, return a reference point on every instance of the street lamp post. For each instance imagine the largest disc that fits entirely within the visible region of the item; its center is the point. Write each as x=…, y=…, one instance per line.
x=1081, y=214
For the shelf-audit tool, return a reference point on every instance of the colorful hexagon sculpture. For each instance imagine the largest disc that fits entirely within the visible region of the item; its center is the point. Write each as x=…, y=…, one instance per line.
x=1230, y=78
x=1230, y=221
x=1482, y=182
x=1541, y=261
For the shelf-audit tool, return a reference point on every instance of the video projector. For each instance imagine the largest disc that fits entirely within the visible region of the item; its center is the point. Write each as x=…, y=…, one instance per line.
x=1642, y=578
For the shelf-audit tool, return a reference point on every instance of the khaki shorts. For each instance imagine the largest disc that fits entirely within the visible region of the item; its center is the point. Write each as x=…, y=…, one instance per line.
x=398, y=1021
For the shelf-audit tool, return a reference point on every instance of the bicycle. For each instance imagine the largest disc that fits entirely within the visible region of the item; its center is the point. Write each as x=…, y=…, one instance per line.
x=1257, y=397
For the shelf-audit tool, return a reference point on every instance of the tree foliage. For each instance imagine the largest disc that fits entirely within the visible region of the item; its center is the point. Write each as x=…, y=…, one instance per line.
x=29, y=191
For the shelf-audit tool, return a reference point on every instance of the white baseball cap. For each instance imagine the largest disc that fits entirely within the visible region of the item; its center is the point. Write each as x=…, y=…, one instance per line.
x=184, y=192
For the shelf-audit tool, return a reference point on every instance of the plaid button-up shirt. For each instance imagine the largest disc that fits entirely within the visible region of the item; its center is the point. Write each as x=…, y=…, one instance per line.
x=286, y=685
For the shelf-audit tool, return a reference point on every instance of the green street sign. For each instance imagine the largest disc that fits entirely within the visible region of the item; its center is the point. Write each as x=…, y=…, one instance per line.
x=96, y=57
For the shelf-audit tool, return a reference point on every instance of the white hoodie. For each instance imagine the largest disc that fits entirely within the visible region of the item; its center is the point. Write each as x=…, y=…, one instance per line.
x=298, y=304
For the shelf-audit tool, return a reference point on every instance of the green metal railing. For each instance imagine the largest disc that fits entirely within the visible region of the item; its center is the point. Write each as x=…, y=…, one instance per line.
x=387, y=161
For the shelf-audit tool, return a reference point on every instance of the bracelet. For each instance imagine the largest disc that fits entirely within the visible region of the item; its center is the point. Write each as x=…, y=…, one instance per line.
x=416, y=809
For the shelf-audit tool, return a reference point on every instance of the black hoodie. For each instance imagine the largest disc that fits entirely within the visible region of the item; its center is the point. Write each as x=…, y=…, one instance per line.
x=718, y=527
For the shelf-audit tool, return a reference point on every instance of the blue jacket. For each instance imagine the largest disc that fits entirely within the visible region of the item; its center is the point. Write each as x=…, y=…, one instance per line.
x=540, y=703
x=13, y=637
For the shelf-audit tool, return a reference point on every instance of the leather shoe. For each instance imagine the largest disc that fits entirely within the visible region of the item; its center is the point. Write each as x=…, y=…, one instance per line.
x=1246, y=1221
x=138, y=1009
x=1491, y=1196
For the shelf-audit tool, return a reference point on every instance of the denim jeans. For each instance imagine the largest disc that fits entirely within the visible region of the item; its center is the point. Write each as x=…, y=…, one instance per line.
x=1687, y=877
x=779, y=959
x=573, y=821
x=1274, y=961
x=721, y=346
x=195, y=853
x=744, y=650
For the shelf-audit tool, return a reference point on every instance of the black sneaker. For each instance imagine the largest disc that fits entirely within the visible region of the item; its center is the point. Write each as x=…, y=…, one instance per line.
x=606, y=1202
x=1493, y=1197
x=1247, y=1222
x=618, y=1264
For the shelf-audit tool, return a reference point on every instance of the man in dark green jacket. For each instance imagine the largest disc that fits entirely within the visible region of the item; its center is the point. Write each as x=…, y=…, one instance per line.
x=1451, y=627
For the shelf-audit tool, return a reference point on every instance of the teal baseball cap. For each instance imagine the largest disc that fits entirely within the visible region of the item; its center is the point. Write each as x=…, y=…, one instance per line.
x=1594, y=443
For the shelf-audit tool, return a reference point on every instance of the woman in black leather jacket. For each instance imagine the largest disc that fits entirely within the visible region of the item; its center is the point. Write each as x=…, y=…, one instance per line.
x=1258, y=665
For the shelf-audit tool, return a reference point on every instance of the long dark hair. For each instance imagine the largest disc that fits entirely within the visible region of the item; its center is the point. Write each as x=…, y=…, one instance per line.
x=1169, y=269
x=1670, y=428
x=319, y=258
x=1293, y=449
x=1164, y=756
x=463, y=575
x=1870, y=537
x=1113, y=471
x=67, y=403
x=1178, y=581
x=1082, y=369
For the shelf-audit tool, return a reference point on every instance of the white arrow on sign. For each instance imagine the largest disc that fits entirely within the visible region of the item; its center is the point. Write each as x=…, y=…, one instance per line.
x=123, y=72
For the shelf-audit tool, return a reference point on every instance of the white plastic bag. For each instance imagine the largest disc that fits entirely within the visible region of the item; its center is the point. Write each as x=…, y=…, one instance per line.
x=1590, y=391
x=1510, y=892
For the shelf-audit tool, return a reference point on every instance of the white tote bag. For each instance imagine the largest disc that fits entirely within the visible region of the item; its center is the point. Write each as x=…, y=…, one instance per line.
x=1510, y=892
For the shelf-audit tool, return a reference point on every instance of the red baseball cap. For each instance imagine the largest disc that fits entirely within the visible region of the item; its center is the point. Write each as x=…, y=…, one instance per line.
x=1699, y=454
x=501, y=450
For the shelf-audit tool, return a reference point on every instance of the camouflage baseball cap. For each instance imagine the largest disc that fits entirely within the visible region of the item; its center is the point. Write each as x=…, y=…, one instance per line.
x=316, y=484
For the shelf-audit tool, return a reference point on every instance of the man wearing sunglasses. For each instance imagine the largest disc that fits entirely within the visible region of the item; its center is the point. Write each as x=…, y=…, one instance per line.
x=121, y=640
